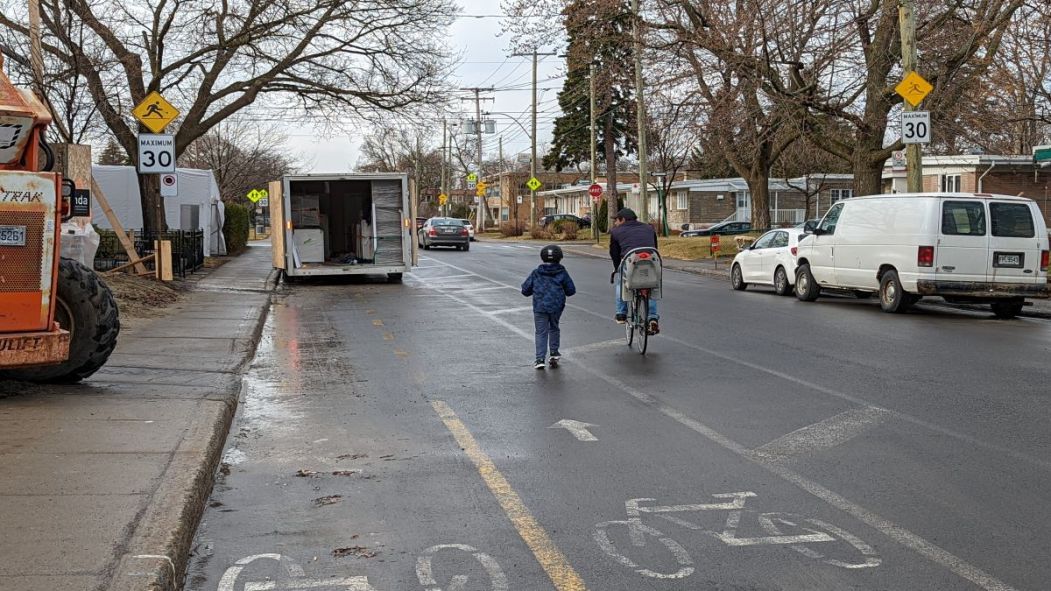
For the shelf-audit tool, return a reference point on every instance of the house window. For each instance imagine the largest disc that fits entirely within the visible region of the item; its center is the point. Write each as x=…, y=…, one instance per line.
x=838, y=194
x=682, y=201
x=951, y=183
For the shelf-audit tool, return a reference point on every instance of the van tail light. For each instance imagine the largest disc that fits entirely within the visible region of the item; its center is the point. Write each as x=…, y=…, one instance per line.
x=795, y=250
x=925, y=256
x=1044, y=259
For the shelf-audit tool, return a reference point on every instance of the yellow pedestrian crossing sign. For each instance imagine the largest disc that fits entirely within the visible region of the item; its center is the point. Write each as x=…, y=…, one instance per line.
x=155, y=112
x=533, y=184
x=913, y=88
x=256, y=194
x=443, y=199
x=472, y=177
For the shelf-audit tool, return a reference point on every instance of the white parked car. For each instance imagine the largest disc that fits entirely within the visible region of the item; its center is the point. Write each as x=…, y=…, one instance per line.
x=470, y=228
x=964, y=247
x=770, y=260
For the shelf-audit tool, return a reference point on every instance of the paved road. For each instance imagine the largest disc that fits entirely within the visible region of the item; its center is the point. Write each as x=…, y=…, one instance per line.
x=762, y=444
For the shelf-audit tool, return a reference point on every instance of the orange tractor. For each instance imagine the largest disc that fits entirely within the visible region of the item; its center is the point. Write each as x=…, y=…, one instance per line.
x=58, y=320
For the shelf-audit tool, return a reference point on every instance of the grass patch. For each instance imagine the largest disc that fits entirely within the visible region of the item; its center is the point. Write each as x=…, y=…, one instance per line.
x=689, y=249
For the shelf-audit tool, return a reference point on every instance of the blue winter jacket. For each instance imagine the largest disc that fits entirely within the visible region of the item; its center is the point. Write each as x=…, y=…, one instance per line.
x=549, y=284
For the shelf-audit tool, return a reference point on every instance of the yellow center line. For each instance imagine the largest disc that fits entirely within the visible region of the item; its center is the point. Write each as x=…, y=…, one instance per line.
x=554, y=563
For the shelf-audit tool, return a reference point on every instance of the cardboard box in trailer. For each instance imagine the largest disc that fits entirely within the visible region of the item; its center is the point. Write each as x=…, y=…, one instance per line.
x=343, y=224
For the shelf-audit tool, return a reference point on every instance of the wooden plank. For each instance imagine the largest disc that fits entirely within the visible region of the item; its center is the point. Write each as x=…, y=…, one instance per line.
x=144, y=259
x=164, y=261
x=277, y=223
x=118, y=229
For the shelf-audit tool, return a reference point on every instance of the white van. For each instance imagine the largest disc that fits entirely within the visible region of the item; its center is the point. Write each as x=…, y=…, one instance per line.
x=964, y=247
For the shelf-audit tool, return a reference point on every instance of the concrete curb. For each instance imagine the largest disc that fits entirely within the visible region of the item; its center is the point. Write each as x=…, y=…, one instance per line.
x=160, y=546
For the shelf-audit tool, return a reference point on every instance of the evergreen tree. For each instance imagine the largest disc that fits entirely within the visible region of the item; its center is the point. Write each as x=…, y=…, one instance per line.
x=113, y=153
x=599, y=33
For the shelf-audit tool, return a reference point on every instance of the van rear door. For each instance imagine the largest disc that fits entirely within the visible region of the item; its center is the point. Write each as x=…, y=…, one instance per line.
x=963, y=243
x=1014, y=246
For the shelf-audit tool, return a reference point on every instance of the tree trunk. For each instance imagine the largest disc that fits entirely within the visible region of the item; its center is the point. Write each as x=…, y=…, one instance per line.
x=611, y=173
x=759, y=186
x=867, y=165
x=153, y=219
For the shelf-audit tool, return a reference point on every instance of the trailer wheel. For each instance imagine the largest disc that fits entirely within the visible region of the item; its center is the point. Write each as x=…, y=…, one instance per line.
x=86, y=308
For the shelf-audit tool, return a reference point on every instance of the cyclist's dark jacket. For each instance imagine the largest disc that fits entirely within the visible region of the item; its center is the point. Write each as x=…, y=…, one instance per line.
x=549, y=284
x=629, y=235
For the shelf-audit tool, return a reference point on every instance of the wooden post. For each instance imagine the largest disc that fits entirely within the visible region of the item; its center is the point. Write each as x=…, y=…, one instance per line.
x=164, y=260
x=118, y=229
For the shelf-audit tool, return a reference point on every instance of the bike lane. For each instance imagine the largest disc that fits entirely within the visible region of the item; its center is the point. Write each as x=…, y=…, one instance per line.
x=648, y=449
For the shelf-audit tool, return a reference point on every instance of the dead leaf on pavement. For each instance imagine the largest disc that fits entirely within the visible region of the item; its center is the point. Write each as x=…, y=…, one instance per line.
x=329, y=500
x=352, y=456
x=344, y=472
x=307, y=474
x=355, y=551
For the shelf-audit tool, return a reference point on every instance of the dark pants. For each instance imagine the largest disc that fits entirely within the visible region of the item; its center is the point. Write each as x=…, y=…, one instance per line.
x=547, y=333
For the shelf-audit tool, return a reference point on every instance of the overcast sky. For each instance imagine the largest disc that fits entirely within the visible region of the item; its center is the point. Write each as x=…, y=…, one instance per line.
x=485, y=61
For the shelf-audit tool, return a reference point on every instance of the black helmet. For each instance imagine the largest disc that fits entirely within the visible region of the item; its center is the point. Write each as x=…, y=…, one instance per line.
x=551, y=254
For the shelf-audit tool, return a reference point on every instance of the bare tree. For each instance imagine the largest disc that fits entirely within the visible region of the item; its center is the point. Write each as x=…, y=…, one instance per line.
x=671, y=137
x=339, y=60
x=241, y=156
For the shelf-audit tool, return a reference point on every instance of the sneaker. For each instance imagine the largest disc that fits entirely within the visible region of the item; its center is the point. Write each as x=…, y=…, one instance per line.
x=654, y=328
x=554, y=359
x=539, y=364
x=621, y=318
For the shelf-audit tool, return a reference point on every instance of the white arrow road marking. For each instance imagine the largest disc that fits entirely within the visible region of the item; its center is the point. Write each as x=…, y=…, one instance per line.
x=346, y=584
x=577, y=428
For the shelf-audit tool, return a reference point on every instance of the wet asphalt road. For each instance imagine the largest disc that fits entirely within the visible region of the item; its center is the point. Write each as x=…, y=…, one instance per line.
x=794, y=446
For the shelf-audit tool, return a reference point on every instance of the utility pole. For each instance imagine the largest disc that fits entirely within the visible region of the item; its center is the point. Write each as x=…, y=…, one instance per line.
x=913, y=154
x=478, y=158
x=36, y=56
x=532, y=159
x=594, y=156
x=417, y=176
x=640, y=101
x=445, y=146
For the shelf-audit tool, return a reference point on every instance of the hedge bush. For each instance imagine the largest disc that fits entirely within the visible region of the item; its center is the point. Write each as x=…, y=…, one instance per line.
x=510, y=229
x=235, y=228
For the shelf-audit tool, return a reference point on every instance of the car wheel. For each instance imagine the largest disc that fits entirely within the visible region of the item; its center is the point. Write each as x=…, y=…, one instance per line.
x=892, y=296
x=781, y=286
x=467, y=247
x=1008, y=309
x=807, y=289
x=737, y=279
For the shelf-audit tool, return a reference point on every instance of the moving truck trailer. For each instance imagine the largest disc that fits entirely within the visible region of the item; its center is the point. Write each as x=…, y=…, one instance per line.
x=344, y=224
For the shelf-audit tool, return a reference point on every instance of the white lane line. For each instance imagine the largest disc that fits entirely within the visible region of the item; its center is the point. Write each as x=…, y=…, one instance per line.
x=888, y=528
x=822, y=435
x=510, y=310
x=474, y=289
x=590, y=347
x=531, y=248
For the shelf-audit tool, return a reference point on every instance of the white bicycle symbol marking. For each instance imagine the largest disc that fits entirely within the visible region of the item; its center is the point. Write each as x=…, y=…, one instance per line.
x=774, y=523
x=425, y=573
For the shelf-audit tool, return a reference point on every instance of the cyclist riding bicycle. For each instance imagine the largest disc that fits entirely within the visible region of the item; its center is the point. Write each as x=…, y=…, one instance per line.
x=627, y=234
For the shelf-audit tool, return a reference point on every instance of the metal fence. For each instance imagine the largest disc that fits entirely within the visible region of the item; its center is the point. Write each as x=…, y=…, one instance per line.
x=187, y=249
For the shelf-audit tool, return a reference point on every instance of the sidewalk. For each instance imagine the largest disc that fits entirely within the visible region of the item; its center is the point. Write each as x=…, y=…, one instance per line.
x=102, y=483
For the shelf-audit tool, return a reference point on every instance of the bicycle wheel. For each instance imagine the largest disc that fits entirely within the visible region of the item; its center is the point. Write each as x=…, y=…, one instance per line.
x=845, y=556
x=681, y=556
x=642, y=315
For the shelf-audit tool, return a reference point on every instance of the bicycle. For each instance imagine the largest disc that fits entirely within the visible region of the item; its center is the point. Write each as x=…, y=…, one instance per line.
x=773, y=523
x=641, y=272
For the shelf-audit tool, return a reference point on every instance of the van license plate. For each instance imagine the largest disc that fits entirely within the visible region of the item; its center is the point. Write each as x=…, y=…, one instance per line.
x=12, y=235
x=1012, y=260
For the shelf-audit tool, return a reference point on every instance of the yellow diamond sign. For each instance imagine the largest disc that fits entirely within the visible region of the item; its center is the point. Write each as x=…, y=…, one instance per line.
x=472, y=177
x=155, y=112
x=533, y=184
x=913, y=88
x=256, y=194
x=442, y=199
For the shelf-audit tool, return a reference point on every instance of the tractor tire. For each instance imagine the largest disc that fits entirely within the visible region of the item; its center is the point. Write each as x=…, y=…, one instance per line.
x=86, y=308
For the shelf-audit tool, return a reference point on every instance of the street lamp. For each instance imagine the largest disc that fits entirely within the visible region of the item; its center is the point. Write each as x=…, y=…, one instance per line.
x=659, y=176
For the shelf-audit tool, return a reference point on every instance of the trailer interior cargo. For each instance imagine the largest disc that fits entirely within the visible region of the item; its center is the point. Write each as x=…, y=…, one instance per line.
x=343, y=225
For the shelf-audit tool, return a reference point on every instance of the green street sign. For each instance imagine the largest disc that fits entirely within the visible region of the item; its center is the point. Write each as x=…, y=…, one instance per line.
x=1041, y=153
x=533, y=184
